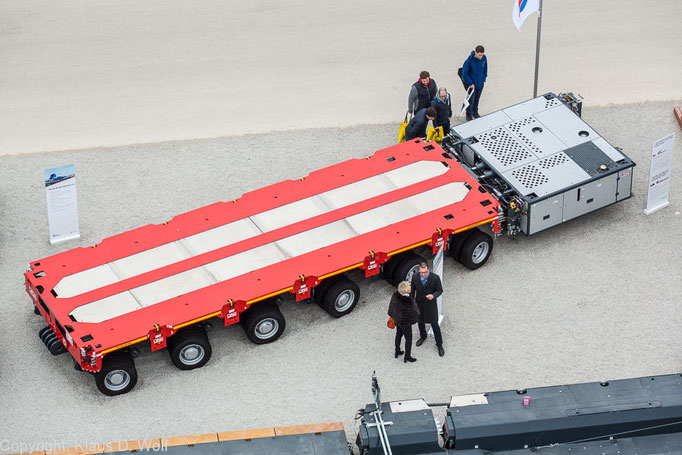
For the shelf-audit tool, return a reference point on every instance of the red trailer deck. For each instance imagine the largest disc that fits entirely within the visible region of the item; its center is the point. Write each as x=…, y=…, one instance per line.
x=225, y=259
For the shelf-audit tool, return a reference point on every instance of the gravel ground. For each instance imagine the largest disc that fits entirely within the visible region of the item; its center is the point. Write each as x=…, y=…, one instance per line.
x=596, y=298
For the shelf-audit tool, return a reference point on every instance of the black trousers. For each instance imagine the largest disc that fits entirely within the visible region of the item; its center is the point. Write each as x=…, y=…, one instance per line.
x=436, y=332
x=404, y=331
x=473, y=102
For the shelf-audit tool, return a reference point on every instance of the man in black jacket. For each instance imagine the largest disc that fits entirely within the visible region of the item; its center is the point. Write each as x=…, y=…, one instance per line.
x=426, y=288
x=418, y=124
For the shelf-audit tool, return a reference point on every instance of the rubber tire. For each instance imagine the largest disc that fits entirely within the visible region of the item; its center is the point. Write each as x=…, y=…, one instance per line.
x=116, y=361
x=390, y=266
x=36, y=310
x=466, y=256
x=256, y=314
x=44, y=333
x=338, y=288
x=56, y=347
x=404, y=267
x=321, y=289
x=179, y=341
x=457, y=241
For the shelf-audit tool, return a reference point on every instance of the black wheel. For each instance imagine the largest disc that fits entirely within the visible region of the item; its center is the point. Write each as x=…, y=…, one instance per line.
x=55, y=346
x=321, y=289
x=341, y=298
x=390, y=266
x=190, y=348
x=456, y=242
x=407, y=268
x=44, y=332
x=264, y=323
x=117, y=376
x=476, y=250
x=36, y=310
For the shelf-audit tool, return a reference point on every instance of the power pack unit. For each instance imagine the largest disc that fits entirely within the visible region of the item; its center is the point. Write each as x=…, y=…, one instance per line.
x=407, y=428
x=527, y=419
x=542, y=162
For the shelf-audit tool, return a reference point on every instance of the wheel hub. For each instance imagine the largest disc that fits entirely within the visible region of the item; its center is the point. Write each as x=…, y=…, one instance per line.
x=411, y=273
x=480, y=252
x=344, y=300
x=267, y=328
x=192, y=354
x=117, y=380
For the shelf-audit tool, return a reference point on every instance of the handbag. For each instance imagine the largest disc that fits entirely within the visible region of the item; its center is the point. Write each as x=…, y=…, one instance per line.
x=401, y=131
x=435, y=134
x=459, y=73
x=390, y=323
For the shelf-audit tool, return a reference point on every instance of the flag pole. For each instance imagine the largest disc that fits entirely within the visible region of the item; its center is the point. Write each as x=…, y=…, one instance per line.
x=537, y=52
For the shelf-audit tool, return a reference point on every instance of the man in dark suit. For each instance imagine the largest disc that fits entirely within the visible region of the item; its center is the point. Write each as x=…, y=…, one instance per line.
x=426, y=288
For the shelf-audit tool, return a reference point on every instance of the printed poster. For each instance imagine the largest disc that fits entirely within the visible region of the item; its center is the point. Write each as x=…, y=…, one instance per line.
x=62, y=204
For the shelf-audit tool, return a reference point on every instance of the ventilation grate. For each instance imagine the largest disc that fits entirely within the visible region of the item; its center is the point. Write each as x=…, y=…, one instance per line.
x=516, y=128
x=551, y=103
x=530, y=176
x=503, y=146
x=554, y=160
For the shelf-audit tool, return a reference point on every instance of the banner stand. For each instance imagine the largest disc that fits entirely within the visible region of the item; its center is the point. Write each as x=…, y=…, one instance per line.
x=659, y=174
x=438, y=270
x=62, y=203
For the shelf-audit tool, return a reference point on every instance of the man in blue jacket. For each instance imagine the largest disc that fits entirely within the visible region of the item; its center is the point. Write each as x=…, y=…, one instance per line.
x=474, y=73
x=418, y=124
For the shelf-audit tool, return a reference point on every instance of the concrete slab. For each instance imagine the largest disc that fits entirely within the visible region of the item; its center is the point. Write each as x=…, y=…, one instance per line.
x=76, y=74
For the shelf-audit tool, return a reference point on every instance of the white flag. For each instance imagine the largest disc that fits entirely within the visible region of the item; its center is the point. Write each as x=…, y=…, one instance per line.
x=523, y=9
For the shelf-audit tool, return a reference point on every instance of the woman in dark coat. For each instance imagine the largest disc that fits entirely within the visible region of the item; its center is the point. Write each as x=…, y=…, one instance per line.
x=403, y=310
x=443, y=106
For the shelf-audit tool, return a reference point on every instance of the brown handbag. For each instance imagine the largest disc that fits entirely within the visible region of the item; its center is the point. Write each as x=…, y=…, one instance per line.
x=390, y=323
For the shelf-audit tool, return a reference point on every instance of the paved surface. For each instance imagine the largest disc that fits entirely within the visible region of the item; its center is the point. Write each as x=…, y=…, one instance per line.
x=76, y=73
x=596, y=298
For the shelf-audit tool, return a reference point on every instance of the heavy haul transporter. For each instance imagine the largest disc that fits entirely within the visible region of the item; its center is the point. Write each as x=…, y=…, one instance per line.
x=162, y=285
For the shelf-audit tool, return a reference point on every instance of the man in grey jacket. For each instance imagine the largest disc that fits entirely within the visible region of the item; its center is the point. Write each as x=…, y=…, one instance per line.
x=421, y=93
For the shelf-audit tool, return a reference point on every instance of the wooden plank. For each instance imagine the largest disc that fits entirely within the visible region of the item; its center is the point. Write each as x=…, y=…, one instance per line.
x=87, y=450
x=142, y=444
x=246, y=434
x=190, y=439
x=307, y=429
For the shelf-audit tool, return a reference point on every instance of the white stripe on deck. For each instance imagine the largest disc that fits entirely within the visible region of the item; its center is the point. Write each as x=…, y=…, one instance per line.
x=221, y=236
x=271, y=253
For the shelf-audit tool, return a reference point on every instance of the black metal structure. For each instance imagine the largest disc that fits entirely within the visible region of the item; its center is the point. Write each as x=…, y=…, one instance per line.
x=625, y=408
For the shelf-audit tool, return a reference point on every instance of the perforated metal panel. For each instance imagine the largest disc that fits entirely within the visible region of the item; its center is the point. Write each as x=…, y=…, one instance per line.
x=530, y=107
x=503, y=149
x=546, y=176
x=536, y=137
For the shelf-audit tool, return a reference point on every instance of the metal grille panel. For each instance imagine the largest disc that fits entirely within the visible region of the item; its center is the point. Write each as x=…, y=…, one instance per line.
x=501, y=146
x=590, y=158
x=530, y=176
x=530, y=107
x=536, y=137
x=554, y=160
x=546, y=176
